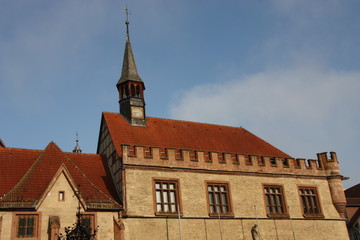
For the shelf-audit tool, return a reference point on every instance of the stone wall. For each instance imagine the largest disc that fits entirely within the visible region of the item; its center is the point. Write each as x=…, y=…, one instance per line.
x=141, y=221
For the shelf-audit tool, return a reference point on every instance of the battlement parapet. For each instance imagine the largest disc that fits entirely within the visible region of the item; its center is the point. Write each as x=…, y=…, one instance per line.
x=214, y=160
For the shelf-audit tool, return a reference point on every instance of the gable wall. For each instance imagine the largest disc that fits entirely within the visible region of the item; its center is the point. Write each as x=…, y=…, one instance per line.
x=106, y=148
x=65, y=210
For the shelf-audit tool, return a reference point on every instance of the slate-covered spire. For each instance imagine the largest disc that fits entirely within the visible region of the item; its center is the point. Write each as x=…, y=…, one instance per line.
x=131, y=87
x=129, y=71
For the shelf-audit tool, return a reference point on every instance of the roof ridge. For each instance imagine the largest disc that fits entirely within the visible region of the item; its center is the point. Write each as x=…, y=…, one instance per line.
x=21, y=149
x=27, y=175
x=181, y=120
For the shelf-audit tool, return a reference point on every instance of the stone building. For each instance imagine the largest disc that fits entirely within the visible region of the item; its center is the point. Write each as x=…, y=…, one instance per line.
x=156, y=178
x=188, y=180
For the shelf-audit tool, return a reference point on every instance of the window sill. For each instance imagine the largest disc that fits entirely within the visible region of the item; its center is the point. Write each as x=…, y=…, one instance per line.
x=278, y=215
x=170, y=215
x=313, y=216
x=224, y=215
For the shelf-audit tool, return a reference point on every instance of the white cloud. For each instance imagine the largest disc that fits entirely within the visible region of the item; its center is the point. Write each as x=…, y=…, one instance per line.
x=303, y=110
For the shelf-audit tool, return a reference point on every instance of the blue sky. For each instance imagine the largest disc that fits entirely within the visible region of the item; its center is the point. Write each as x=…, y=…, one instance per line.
x=286, y=70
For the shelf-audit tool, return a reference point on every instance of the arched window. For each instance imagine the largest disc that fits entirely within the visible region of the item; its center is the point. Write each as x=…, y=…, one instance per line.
x=126, y=91
x=138, y=91
x=132, y=90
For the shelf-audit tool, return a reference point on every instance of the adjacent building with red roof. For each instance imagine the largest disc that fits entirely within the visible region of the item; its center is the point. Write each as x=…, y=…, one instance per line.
x=40, y=191
x=353, y=211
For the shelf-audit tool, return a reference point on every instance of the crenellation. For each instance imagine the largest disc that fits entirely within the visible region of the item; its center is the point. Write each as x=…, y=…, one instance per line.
x=179, y=154
x=194, y=155
x=221, y=157
x=333, y=157
x=314, y=164
x=163, y=152
x=148, y=152
x=262, y=160
x=301, y=163
x=248, y=160
x=155, y=155
x=208, y=157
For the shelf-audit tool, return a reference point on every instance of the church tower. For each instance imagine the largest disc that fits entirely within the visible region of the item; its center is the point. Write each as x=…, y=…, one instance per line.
x=131, y=87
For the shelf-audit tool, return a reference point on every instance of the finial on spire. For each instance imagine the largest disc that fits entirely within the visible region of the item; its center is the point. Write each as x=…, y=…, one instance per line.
x=127, y=22
x=77, y=148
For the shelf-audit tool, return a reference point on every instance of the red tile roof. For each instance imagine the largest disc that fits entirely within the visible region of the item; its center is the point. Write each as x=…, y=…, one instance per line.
x=187, y=135
x=26, y=174
x=353, y=195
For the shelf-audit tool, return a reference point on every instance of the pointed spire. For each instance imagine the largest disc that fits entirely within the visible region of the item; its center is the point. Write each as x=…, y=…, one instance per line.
x=77, y=148
x=129, y=70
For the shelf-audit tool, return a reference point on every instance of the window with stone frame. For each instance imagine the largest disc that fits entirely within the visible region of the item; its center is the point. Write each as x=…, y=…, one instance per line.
x=310, y=202
x=27, y=226
x=275, y=201
x=88, y=220
x=218, y=199
x=167, y=196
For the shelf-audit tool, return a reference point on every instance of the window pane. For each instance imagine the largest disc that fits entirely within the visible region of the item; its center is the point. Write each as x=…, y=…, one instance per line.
x=166, y=208
x=165, y=197
x=21, y=231
x=22, y=222
x=30, y=231
x=158, y=207
x=217, y=198
x=211, y=199
x=172, y=197
x=223, y=199
x=158, y=197
x=225, y=208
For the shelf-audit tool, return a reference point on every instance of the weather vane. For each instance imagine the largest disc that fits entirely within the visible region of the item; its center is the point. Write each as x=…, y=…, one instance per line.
x=127, y=12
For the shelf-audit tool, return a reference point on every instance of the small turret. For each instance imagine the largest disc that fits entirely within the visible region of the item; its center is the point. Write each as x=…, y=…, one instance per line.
x=334, y=178
x=77, y=148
